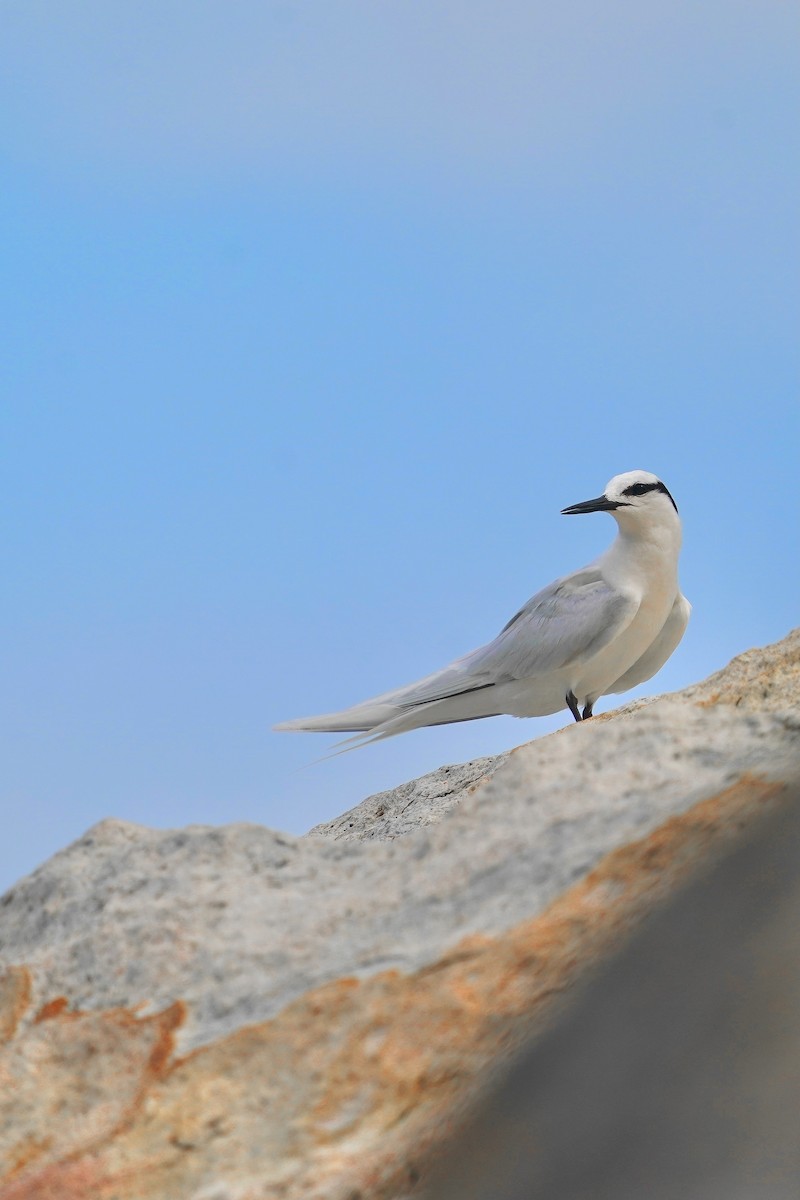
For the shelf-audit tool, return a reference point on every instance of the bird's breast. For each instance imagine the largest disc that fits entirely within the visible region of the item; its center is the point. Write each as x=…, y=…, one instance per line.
x=596, y=675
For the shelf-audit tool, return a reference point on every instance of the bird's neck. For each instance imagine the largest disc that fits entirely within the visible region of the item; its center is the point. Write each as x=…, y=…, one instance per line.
x=644, y=559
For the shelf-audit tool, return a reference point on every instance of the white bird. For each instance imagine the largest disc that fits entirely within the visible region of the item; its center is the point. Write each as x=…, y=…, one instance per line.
x=602, y=629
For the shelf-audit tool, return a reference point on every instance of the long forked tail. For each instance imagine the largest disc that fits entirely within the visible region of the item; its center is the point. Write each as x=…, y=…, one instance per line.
x=454, y=693
x=373, y=721
x=359, y=719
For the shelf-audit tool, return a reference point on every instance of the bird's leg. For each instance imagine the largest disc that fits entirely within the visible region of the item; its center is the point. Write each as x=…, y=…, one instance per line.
x=572, y=701
x=587, y=710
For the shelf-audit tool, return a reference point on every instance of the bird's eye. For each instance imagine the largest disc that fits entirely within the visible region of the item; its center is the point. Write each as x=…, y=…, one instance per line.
x=640, y=489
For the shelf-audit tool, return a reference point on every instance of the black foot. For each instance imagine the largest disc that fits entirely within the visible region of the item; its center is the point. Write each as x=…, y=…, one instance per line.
x=572, y=702
x=587, y=710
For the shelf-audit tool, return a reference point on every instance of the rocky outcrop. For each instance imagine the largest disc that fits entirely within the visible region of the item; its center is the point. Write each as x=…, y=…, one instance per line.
x=677, y=1071
x=403, y=809
x=763, y=680
x=232, y=1012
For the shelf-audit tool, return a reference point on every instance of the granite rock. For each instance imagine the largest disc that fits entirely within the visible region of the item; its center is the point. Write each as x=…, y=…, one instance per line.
x=400, y=810
x=765, y=679
x=677, y=1071
x=232, y=1012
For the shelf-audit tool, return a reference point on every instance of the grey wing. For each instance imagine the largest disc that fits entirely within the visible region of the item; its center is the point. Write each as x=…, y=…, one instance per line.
x=659, y=650
x=567, y=622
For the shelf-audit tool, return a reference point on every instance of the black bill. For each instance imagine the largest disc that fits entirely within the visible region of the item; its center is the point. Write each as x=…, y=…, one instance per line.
x=601, y=504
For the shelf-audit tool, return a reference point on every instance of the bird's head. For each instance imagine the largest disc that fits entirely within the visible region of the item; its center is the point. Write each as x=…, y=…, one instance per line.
x=638, y=500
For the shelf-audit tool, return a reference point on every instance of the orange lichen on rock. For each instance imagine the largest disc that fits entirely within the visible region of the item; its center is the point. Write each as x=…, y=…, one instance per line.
x=344, y=1091
x=53, y=1008
x=71, y=1082
x=61, y=1181
x=16, y=990
x=764, y=679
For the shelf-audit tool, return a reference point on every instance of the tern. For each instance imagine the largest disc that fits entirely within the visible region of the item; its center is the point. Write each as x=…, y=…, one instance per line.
x=601, y=630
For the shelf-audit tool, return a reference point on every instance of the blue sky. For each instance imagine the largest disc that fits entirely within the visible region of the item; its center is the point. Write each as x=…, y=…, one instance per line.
x=314, y=316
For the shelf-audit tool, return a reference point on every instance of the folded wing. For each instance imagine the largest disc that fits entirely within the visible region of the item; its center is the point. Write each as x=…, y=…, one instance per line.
x=566, y=623
x=563, y=625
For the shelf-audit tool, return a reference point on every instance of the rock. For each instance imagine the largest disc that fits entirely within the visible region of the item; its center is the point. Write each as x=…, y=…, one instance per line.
x=233, y=1012
x=766, y=679
x=677, y=1072
x=400, y=810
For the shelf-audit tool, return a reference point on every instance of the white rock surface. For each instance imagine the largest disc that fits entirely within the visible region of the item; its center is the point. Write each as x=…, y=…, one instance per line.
x=239, y=920
x=401, y=810
x=347, y=995
x=765, y=679
x=677, y=1071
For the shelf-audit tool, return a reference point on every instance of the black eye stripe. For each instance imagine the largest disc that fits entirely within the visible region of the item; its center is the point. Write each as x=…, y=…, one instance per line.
x=639, y=489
